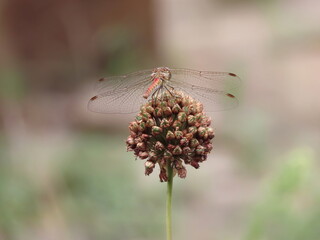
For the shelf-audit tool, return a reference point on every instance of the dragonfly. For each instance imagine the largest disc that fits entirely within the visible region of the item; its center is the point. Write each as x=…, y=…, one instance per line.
x=125, y=94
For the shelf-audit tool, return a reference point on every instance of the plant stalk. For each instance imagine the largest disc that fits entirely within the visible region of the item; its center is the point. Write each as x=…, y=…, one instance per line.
x=169, y=200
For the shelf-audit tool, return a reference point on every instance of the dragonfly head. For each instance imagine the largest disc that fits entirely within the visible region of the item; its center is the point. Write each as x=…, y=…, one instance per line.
x=162, y=73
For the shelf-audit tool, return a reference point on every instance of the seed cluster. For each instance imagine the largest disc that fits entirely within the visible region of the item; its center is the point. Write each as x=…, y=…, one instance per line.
x=173, y=129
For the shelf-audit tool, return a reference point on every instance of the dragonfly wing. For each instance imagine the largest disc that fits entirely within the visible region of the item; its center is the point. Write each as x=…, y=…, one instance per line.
x=212, y=99
x=222, y=81
x=122, y=100
x=120, y=82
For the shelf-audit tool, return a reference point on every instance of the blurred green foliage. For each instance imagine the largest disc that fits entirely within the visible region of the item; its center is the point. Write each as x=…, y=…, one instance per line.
x=18, y=198
x=121, y=44
x=93, y=186
x=100, y=191
x=12, y=86
x=288, y=208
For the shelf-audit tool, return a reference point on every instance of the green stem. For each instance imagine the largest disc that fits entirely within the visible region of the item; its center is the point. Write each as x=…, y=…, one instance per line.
x=169, y=200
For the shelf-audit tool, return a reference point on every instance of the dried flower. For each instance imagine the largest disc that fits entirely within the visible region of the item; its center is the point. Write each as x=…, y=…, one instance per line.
x=171, y=129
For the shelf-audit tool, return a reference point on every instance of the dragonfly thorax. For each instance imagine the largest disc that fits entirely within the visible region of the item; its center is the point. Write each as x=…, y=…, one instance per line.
x=162, y=73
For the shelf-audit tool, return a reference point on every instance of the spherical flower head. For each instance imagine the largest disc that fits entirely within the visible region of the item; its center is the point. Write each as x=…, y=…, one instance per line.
x=171, y=129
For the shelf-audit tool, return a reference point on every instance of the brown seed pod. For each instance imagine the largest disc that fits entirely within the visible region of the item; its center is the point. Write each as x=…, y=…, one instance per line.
x=177, y=124
x=150, y=122
x=167, y=111
x=191, y=120
x=159, y=146
x=182, y=116
x=194, y=143
x=141, y=146
x=164, y=123
x=158, y=112
x=177, y=151
x=150, y=109
x=142, y=126
x=170, y=135
x=178, y=134
x=202, y=131
x=143, y=155
x=156, y=130
x=176, y=108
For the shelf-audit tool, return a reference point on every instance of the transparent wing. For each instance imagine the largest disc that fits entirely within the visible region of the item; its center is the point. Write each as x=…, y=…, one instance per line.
x=124, y=94
x=212, y=99
x=122, y=100
x=120, y=94
x=119, y=82
x=222, y=81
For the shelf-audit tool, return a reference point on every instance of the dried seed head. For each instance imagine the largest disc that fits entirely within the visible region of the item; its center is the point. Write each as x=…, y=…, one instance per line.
x=171, y=128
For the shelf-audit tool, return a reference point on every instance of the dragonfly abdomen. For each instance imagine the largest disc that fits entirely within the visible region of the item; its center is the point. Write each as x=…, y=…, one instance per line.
x=156, y=82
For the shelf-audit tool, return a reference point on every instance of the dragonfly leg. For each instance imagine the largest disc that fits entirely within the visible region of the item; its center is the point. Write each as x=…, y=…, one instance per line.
x=154, y=96
x=161, y=93
x=153, y=103
x=169, y=90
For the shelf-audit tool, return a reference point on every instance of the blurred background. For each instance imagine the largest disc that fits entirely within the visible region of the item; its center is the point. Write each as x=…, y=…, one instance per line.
x=65, y=172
